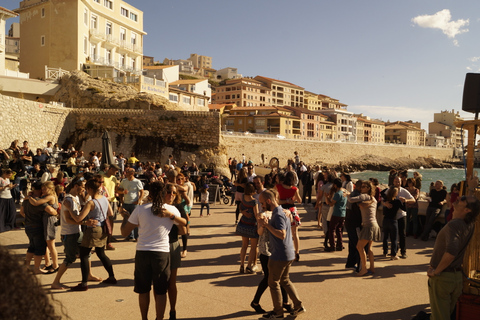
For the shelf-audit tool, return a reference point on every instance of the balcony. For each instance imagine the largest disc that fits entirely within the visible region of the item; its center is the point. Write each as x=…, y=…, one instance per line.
x=96, y=36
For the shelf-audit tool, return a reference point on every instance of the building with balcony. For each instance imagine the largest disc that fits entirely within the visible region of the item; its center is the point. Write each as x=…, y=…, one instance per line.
x=408, y=133
x=168, y=74
x=4, y=15
x=312, y=101
x=244, y=92
x=199, y=61
x=227, y=73
x=444, y=125
x=345, y=123
x=263, y=120
x=370, y=130
x=185, y=66
x=315, y=125
x=432, y=140
x=283, y=93
x=330, y=103
x=75, y=33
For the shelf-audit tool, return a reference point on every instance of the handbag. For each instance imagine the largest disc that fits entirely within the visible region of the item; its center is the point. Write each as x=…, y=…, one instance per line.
x=400, y=214
x=107, y=226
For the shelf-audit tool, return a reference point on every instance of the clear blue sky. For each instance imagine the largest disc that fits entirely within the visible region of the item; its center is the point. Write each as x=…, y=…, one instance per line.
x=393, y=60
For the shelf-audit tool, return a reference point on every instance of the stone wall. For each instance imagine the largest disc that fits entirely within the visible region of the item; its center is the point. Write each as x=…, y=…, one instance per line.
x=261, y=150
x=33, y=121
x=151, y=134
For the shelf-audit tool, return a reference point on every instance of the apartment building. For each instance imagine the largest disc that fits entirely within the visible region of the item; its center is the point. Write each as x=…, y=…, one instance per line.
x=188, y=93
x=315, y=125
x=345, y=123
x=4, y=15
x=185, y=66
x=370, y=130
x=284, y=93
x=165, y=73
x=227, y=73
x=330, y=103
x=408, y=133
x=244, y=92
x=444, y=125
x=199, y=61
x=71, y=34
x=312, y=101
x=265, y=119
x=12, y=40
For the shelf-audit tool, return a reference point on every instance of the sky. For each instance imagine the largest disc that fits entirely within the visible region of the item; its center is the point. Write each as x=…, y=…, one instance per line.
x=390, y=60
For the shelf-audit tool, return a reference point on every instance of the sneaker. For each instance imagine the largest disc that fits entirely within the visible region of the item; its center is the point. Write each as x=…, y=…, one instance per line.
x=109, y=281
x=257, y=307
x=272, y=315
x=110, y=247
x=297, y=311
x=404, y=256
x=394, y=258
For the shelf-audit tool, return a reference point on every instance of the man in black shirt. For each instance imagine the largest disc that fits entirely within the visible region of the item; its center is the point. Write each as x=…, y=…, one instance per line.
x=438, y=199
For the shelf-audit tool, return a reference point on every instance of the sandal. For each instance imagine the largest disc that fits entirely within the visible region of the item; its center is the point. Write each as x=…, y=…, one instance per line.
x=242, y=269
x=250, y=270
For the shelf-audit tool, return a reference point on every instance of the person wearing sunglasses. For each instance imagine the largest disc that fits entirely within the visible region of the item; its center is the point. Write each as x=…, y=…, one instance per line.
x=445, y=280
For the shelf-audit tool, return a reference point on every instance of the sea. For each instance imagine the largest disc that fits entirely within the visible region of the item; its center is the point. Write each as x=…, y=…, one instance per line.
x=448, y=176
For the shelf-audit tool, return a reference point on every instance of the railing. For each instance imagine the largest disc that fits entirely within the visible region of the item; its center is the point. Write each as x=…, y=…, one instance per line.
x=54, y=73
x=16, y=74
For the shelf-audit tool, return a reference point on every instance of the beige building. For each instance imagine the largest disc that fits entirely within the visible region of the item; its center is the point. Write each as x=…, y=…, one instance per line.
x=315, y=125
x=370, y=130
x=199, y=61
x=284, y=93
x=407, y=133
x=244, y=92
x=312, y=101
x=70, y=34
x=345, y=123
x=444, y=125
x=4, y=15
x=265, y=120
x=330, y=103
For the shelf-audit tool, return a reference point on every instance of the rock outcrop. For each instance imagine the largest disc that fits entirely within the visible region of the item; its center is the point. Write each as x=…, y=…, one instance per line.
x=379, y=163
x=79, y=90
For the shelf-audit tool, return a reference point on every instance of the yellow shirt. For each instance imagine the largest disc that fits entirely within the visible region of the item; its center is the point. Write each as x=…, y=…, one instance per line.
x=110, y=184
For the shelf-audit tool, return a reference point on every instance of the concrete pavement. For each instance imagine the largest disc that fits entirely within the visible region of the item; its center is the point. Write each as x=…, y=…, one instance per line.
x=211, y=287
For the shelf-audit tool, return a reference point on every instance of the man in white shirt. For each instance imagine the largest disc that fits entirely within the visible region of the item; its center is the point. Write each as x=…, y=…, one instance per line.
x=133, y=193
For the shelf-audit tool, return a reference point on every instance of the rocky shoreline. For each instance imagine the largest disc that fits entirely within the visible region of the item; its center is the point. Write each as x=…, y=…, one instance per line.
x=379, y=163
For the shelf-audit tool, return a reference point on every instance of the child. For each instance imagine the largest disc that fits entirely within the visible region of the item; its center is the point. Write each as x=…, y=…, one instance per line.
x=204, y=200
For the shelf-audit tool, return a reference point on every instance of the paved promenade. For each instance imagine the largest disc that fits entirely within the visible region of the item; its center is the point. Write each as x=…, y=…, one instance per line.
x=211, y=287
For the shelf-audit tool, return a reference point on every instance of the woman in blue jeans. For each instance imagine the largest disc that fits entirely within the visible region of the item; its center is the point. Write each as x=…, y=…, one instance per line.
x=390, y=224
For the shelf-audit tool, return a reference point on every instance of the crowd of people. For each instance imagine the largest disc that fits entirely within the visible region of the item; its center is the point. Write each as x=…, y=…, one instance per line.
x=155, y=202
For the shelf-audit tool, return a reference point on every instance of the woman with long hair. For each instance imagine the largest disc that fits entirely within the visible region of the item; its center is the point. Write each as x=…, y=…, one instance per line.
x=247, y=228
x=172, y=197
x=288, y=194
x=338, y=201
x=98, y=209
x=390, y=223
x=242, y=179
x=49, y=196
x=154, y=220
x=412, y=209
x=370, y=230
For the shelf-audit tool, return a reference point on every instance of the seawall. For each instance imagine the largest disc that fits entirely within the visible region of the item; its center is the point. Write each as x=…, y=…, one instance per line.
x=261, y=150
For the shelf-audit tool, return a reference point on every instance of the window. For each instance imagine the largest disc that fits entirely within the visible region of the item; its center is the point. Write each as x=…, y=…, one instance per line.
x=108, y=29
x=93, y=51
x=93, y=22
x=123, y=34
x=108, y=4
x=97, y=1
x=124, y=12
x=134, y=38
x=85, y=45
x=85, y=17
x=201, y=102
x=187, y=100
x=173, y=97
x=43, y=12
x=122, y=60
x=134, y=63
x=133, y=16
x=108, y=56
x=42, y=40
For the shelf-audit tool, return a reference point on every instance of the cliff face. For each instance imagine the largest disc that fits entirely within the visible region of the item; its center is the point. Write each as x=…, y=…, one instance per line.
x=79, y=90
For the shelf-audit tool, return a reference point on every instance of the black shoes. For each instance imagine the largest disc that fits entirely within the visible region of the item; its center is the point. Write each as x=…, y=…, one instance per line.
x=257, y=307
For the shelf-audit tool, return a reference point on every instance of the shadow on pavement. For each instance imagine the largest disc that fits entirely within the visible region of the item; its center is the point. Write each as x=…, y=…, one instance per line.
x=402, y=314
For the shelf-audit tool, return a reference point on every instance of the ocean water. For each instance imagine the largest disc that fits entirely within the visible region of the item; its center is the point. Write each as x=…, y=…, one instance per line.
x=448, y=176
